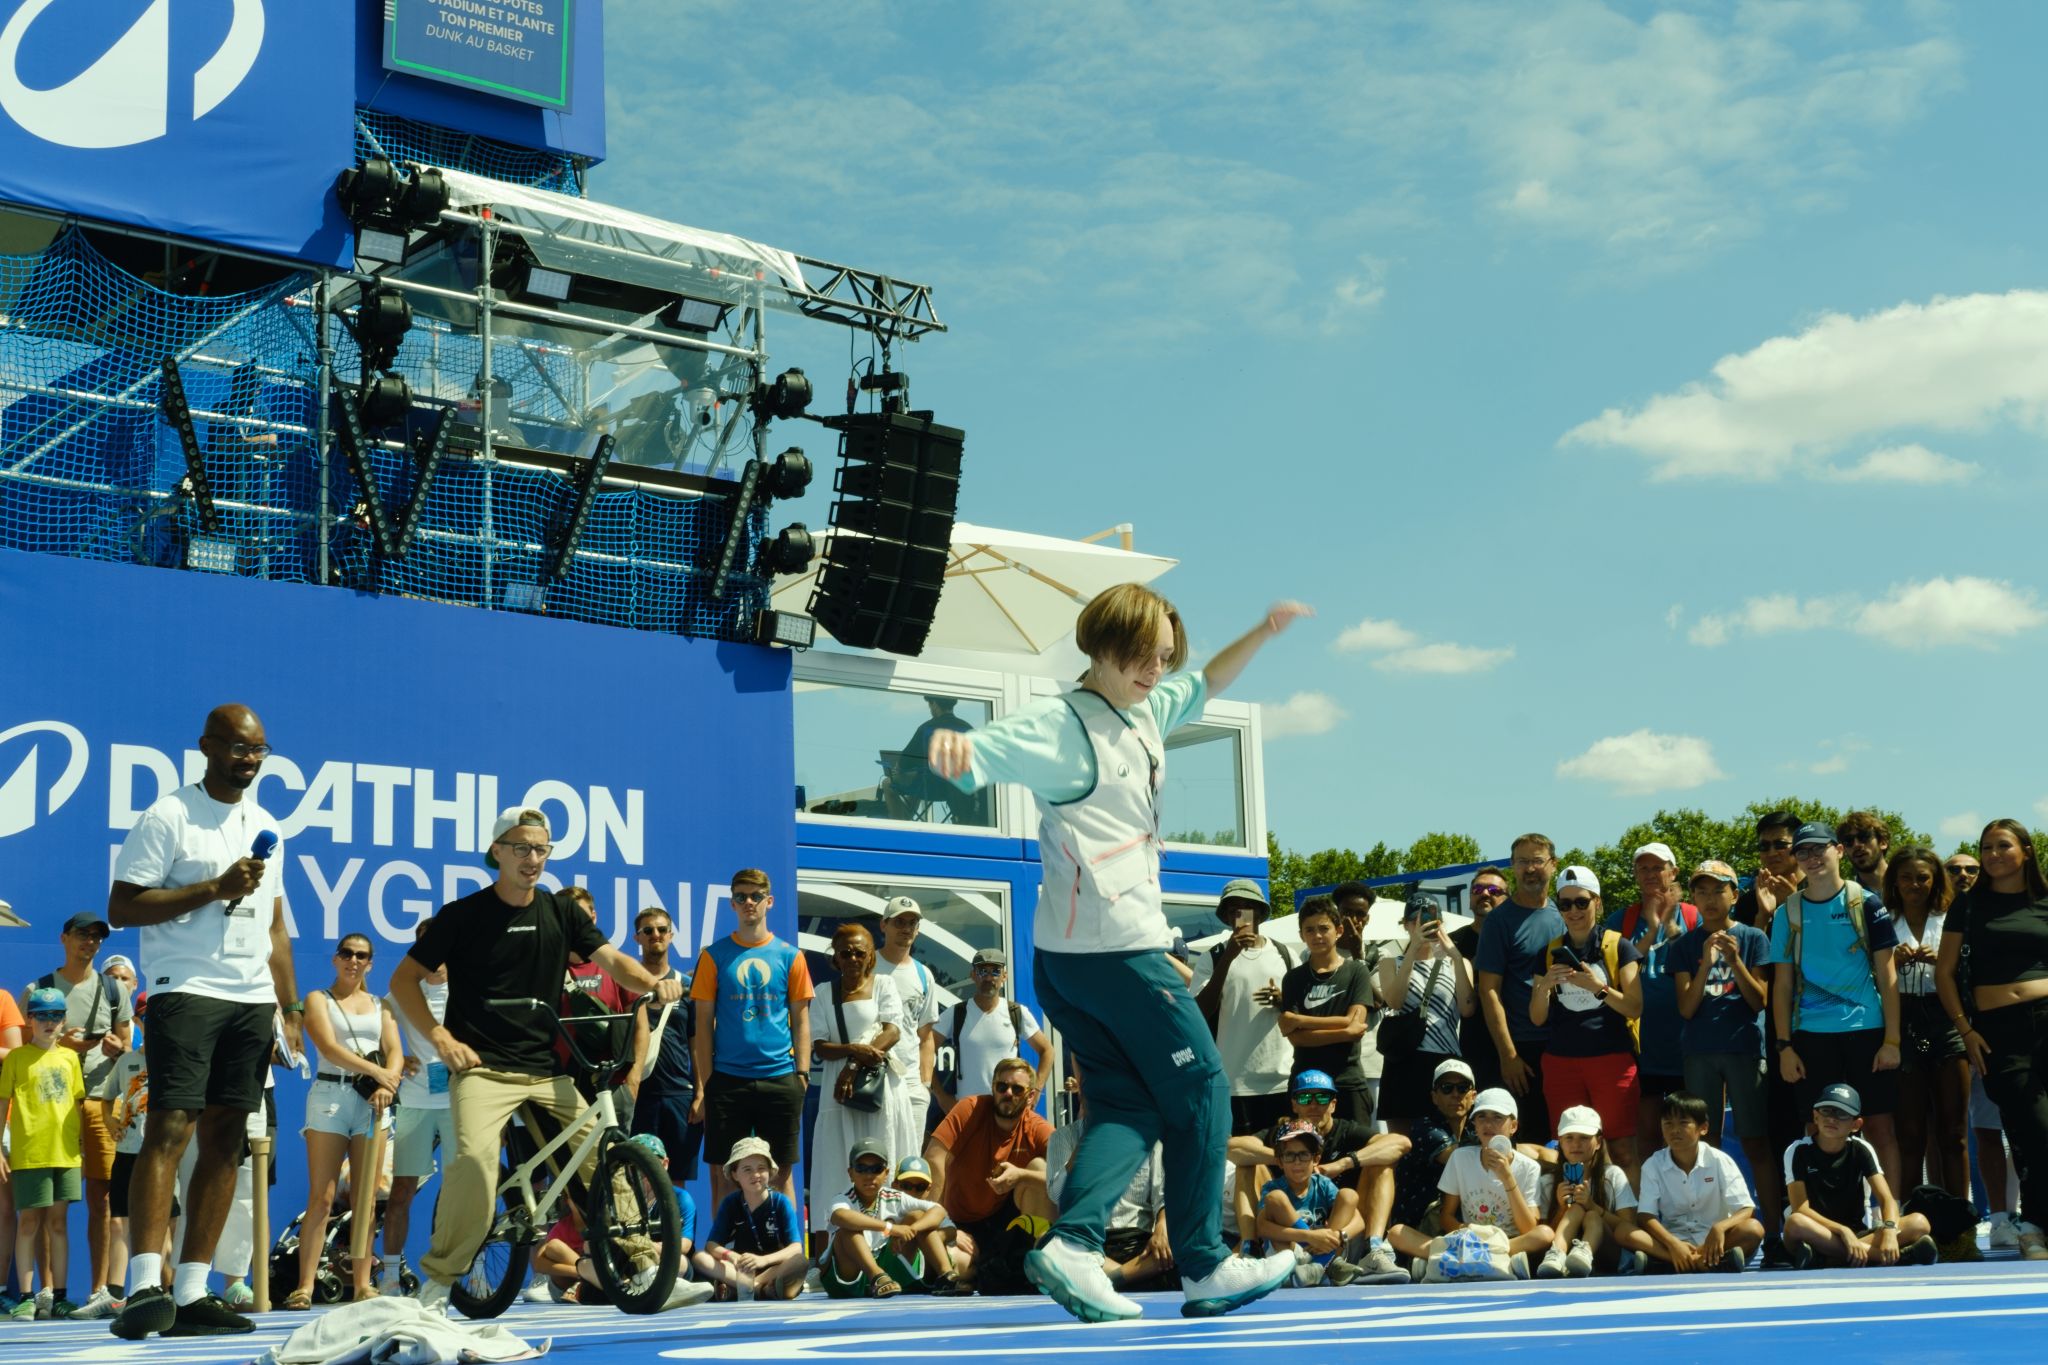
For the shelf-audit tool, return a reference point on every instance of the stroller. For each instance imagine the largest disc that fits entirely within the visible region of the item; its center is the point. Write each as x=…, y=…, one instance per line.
x=331, y=1281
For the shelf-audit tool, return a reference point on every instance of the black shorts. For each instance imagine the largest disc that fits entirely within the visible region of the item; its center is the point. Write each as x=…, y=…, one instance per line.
x=1405, y=1083
x=123, y=1177
x=771, y=1107
x=668, y=1118
x=205, y=1053
x=1846, y=1058
x=1927, y=1035
x=1250, y=1114
x=1655, y=1085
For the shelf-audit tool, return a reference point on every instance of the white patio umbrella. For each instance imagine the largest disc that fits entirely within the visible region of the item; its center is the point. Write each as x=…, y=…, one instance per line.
x=1008, y=592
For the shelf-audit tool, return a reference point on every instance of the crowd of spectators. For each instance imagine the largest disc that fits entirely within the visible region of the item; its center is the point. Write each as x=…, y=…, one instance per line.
x=1557, y=1088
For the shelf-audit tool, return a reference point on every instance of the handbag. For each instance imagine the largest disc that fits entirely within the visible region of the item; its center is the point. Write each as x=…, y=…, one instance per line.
x=1405, y=1032
x=860, y=1087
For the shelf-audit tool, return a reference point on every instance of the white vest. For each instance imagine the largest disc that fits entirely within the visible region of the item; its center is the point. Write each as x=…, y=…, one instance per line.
x=1101, y=851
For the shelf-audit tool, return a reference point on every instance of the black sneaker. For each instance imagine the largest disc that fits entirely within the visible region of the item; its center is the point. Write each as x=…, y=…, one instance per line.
x=1734, y=1261
x=147, y=1311
x=947, y=1286
x=1776, y=1257
x=1922, y=1252
x=1801, y=1257
x=208, y=1317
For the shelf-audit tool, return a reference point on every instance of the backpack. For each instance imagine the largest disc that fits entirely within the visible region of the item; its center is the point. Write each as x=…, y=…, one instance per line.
x=109, y=990
x=960, y=1021
x=1610, y=952
x=1688, y=918
x=1795, y=940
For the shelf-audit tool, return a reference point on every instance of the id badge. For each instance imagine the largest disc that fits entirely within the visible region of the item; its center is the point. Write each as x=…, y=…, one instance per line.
x=437, y=1078
x=242, y=938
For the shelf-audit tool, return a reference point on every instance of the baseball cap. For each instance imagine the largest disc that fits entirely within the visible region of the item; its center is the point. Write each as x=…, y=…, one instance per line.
x=1718, y=870
x=1452, y=1067
x=86, y=920
x=43, y=1000
x=509, y=819
x=1813, y=832
x=1417, y=906
x=1582, y=877
x=900, y=905
x=989, y=957
x=1496, y=1101
x=1842, y=1097
x=913, y=1166
x=1243, y=889
x=1580, y=1118
x=1662, y=850
x=114, y=960
x=1298, y=1131
x=1312, y=1079
x=750, y=1146
x=867, y=1147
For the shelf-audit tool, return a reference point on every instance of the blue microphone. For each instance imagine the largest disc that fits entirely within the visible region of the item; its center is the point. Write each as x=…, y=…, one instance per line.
x=265, y=845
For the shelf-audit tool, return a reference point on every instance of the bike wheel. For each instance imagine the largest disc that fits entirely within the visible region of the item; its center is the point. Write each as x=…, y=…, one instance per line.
x=496, y=1276
x=634, y=1236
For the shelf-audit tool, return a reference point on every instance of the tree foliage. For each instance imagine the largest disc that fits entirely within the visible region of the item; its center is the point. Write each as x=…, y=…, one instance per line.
x=1289, y=872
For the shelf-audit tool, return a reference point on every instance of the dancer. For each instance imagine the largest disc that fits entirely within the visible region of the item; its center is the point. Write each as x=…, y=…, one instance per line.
x=1095, y=760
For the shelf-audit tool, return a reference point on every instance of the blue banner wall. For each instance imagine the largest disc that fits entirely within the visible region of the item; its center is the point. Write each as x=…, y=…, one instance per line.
x=220, y=120
x=400, y=728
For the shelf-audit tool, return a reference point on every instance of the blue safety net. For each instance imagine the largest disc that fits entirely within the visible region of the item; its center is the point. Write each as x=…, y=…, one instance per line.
x=402, y=140
x=90, y=467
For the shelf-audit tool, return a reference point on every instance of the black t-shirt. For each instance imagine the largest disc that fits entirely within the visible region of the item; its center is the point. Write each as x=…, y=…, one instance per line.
x=1581, y=1024
x=495, y=951
x=1302, y=991
x=2006, y=933
x=1345, y=1137
x=672, y=1073
x=1834, y=1180
x=1421, y=1168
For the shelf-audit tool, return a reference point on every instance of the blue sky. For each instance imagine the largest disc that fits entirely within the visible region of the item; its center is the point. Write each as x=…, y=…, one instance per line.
x=1650, y=399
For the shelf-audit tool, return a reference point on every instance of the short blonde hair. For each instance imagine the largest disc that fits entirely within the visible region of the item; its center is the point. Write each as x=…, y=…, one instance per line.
x=1121, y=626
x=1013, y=1064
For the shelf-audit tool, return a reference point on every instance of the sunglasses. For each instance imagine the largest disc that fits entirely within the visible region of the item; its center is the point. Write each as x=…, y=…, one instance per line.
x=1314, y=1097
x=1861, y=836
x=870, y=1167
x=916, y=1187
x=1773, y=845
x=352, y=954
x=1451, y=1087
x=654, y=930
x=1573, y=902
x=1488, y=891
x=1010, y=1088
x=749, y=897
x=56, y=1018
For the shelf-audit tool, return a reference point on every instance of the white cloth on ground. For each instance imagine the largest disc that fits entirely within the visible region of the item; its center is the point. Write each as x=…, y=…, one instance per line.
x=396, y=1331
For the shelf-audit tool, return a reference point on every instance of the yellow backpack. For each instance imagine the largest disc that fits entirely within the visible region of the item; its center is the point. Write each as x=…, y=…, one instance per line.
x=1610, y=950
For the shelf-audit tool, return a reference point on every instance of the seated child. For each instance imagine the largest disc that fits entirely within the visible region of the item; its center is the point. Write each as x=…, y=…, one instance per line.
x=1695, y=1211
x=1303, y=1208
x=1490, y=1184
x=755, y=1244
x=1827, y=1218
x=1588, y=1211
x=881, y=1236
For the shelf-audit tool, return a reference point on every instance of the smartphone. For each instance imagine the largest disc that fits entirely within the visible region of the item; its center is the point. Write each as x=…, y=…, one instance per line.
x=1564, y=950
x=1431, y=917
x=1574, y=1172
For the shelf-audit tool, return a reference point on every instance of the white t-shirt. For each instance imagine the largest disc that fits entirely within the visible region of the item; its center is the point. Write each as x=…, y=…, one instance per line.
x=1690, y=1202
x=891, y=1206
x=428, y=1089
x=1615, y=1194
x=185, y=838
x=1483, y=1199
x=1256, y=1057
x=1137, y=1207
x=985, y=1039
x=920, y=996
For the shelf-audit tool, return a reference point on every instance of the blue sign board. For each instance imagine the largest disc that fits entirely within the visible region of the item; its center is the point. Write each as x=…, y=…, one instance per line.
x=518, y=49
x=220, y=120
x=544, y=90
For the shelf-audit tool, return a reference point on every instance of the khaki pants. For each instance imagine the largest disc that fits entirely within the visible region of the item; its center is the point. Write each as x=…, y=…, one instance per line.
x=481, y=1102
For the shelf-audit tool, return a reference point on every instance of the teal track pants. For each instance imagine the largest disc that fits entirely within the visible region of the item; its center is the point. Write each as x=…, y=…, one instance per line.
x=1150, y=1073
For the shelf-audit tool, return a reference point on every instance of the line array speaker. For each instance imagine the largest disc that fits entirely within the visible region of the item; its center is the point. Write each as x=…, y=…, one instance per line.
x=898, y=486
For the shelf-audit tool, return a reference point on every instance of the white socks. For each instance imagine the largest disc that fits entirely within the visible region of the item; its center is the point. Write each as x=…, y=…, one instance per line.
x=188, y=1282
x=145, y=1271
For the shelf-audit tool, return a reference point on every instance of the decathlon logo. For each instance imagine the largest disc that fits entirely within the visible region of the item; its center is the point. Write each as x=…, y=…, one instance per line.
x=124, y=97
x=18, y=793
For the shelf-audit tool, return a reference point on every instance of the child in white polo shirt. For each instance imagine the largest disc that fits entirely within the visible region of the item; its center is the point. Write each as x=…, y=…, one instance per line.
x=1695, y=1206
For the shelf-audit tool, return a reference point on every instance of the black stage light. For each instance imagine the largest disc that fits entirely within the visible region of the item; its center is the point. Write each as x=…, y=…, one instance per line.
x=538, y=282
x=791, y=629
x=382, y=320
x=790, y=475
x=423, y=198
x=694, y=315
x=366, y=191
x=787, y=397
x=791, y=551
x=386, y=400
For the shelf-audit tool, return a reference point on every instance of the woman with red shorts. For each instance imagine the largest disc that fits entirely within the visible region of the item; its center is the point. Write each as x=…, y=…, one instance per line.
x=1588, y=994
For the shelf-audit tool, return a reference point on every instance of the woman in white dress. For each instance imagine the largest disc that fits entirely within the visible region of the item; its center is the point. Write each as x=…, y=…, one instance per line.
x=872, y=1021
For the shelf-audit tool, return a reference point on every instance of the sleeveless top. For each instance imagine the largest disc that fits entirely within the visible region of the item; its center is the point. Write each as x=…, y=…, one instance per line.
x=1440, y=1032
x=1101, y=851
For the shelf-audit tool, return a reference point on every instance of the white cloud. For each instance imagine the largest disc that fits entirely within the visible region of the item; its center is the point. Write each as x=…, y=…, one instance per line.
x=1911, y=463
x=1643, y=761
x=1943, y=612
x=1374, y=635
x=1960, y=828
x=1444, y=658
x=1953, y=364
x=1936, y=614
x=1837, y=754
x=2041, y=810
x=1304, y=713
x=1673, y=615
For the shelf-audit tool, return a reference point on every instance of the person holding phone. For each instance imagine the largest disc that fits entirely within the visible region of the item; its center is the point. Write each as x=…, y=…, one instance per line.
x=1592, y=1207
x=1237, y=987
x=1587, y=994
x=1431, y=983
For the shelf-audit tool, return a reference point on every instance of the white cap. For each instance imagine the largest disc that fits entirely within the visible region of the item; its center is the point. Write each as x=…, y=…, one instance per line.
x=1582, y=877
x=509, y=819
x=1662, y=850
x=113, y=960
x=1496, y=1101
x=901, y=905
x=1579, y=1118
x=1452, y=1066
